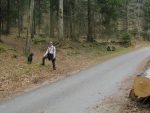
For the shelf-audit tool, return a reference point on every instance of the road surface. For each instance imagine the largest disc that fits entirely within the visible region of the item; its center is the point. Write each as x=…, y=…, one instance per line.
x=76, y=93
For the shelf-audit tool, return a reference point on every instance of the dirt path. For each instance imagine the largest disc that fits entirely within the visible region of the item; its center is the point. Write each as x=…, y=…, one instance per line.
x=77, y=93
x=119, y=101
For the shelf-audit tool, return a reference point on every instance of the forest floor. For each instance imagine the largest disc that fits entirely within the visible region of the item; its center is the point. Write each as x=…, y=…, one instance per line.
x=16, y=75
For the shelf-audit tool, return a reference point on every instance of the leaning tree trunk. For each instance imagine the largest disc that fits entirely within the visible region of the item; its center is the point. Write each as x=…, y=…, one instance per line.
x=60, y=19
x=90, y=26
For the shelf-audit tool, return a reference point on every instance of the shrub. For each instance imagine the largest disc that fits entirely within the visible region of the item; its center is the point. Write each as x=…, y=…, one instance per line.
x=111, y=48
x=127, y=38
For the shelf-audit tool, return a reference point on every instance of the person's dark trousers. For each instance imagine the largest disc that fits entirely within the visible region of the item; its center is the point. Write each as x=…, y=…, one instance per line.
x=49, y=57
x=53, y=62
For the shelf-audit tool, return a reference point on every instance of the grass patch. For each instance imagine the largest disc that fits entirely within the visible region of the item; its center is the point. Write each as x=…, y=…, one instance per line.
x=3, y=47
x=27, y=68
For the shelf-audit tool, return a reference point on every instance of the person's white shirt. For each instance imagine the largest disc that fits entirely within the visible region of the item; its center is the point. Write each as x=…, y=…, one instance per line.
x=52, y=50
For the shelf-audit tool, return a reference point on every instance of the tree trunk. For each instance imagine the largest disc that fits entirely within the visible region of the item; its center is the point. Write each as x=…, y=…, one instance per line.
x=125, y=23
x=31, y=19
x=73, y=20
x=138, y=19
x=60, y=19
x=0, y=21
x=21, y=15
x=148, y=24
x=19, y=22
x=2, y=26
x=34, y=24
x=30, y=28
x=90, y=27
x=39, y=15
x=49, y=19
x=52, y=18
x=8, y=18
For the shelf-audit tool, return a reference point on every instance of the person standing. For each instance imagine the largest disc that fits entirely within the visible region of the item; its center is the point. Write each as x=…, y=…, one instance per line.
x=50, y=54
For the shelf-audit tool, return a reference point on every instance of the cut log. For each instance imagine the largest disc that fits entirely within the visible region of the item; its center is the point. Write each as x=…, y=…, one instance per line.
x=142, y=84
x=132, y=95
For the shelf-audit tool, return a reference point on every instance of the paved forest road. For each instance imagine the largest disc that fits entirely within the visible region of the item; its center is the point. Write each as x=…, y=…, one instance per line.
x=76, y=93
